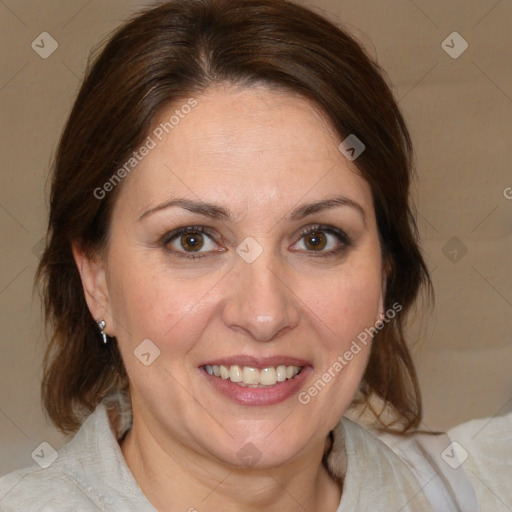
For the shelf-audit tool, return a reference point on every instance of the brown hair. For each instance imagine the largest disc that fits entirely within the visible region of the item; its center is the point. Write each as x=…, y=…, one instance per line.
x=170, y=52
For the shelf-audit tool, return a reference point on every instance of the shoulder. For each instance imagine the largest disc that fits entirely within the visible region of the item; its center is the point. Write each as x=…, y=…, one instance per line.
x=87, y=474
x=34, y=489
x=369, y=469
x=484, y=448
x=414, y=463
x=50, y=484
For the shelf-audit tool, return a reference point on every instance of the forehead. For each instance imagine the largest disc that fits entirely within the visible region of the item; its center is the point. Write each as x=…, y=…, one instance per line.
x=252, y=146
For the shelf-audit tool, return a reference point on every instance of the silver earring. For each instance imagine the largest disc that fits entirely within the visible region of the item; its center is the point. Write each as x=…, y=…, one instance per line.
x=101, y=325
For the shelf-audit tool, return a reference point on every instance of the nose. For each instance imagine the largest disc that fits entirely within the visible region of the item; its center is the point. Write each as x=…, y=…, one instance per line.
x=261, y=302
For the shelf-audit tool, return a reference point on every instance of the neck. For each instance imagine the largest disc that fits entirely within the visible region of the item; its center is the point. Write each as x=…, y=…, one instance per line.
x=178, y=475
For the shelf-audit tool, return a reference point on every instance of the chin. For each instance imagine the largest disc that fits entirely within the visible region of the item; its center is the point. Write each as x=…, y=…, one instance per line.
x=260, y=451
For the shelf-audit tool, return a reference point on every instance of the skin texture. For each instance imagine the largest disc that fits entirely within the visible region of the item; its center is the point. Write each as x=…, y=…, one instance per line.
x=259, y=154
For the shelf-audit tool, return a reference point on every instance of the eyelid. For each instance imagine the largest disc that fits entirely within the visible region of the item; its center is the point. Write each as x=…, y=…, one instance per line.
x=168, y=236
x=344, y=240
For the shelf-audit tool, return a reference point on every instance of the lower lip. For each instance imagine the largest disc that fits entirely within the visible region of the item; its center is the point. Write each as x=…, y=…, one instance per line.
x=272, y=395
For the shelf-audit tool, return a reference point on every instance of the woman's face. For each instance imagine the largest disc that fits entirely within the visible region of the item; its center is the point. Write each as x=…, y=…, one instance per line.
x=281, y=268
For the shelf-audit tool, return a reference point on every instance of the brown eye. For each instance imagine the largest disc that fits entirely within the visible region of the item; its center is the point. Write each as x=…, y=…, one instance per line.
x=315, y=240
x=192, y=241
x=322, y=239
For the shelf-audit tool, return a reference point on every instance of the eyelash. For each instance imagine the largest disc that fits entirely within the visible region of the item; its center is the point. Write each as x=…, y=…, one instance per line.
x=342, y=237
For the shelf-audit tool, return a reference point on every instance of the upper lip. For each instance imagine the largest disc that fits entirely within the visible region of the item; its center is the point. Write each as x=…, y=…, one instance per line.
x=257, y=362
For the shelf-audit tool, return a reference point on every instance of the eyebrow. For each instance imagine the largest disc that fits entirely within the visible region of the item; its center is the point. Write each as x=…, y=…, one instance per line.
x=218, y=212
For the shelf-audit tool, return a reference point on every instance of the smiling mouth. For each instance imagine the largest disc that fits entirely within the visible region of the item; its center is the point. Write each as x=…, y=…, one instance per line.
x=248, y=376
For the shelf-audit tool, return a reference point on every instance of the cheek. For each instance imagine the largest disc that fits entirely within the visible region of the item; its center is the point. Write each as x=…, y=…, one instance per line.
x=159, y=304
x=343, y=311
x=344, y=305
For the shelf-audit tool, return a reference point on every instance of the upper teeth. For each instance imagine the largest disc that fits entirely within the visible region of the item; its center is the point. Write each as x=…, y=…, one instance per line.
x=249, y=376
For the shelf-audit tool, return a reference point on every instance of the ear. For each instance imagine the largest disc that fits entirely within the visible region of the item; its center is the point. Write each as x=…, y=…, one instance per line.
x=92, y=272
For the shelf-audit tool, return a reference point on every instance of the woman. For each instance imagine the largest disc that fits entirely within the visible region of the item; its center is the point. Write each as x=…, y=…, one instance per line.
x=231, y=257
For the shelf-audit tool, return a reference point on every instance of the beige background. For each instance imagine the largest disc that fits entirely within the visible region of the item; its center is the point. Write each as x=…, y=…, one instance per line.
x=459, y=111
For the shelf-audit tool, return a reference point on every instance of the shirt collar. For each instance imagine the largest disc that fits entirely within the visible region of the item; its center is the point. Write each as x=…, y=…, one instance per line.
x=366, y=466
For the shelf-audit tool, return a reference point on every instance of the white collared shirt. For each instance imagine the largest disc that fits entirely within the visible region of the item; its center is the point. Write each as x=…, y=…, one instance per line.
x=388, y=474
